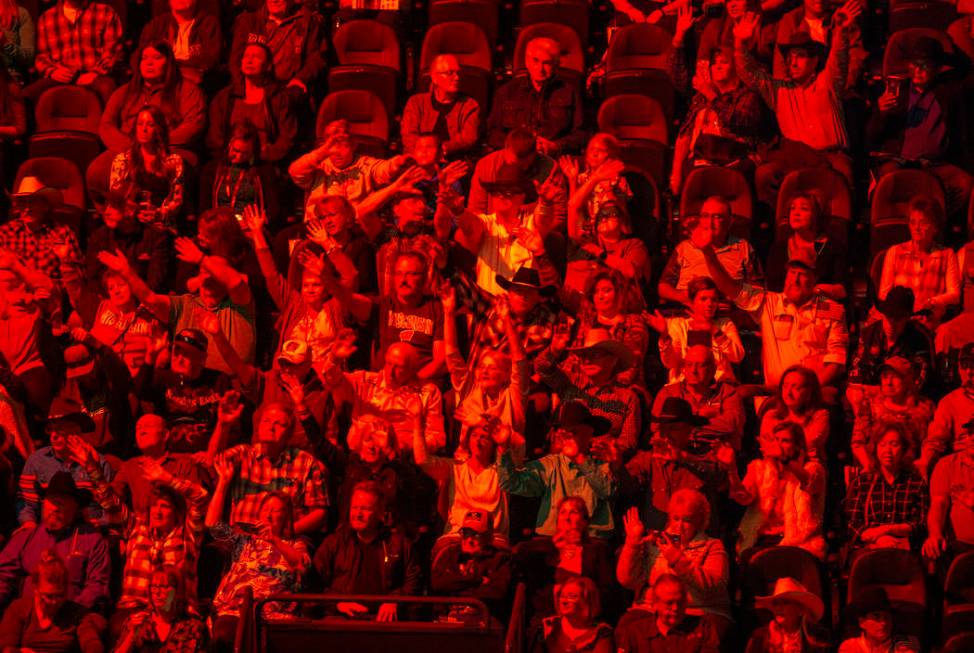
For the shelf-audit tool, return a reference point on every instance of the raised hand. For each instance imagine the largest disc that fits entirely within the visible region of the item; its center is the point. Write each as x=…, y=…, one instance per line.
x=319, y=234
x=294, y=389
x=114, y=261
x=80, y=451
x=746, y=27
x=530, y=238
x=344, y=344
x=634, y=526
x=448, y=297
x=312, y=263
x=549, y=190
x=230, y=408
x=684, y=22
x=412, y=175
x=845, y=18
x=254, y=219
x=655, y=321
x=609, y=170
x=225, y=469
x=569, y=166
x=453, y=172
x=188, y=251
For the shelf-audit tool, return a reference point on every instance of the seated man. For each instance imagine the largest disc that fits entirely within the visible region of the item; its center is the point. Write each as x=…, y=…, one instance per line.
x=952, y=429
x=916, y=122
x=269, y=464
x=950, y=522
x=33, y=234
x=541, y=102
x=668, y=627
x=443, y=110
x=78, y=42
x=62, y=530
x=366, y=556
x=686, y=263
x=808, y=104
x=572, y=469
x=798, y=327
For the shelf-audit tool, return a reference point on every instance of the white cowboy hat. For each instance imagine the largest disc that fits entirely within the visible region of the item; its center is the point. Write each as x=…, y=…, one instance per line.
x=789, y=589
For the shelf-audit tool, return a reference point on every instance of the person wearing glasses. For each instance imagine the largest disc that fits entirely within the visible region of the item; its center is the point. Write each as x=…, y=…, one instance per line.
x=444, y=111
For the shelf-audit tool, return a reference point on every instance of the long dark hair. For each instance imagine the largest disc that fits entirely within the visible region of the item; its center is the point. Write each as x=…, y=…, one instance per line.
x=162, y=136
x=170, y=81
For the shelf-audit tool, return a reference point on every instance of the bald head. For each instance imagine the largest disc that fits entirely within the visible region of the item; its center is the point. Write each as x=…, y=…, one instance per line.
x=401, y=363
x=151, y=434
x=699, y=365
x=541, y=59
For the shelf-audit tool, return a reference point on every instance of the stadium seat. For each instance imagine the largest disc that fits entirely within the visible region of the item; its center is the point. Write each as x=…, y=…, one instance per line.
x=958, y=613
x=901, y=574
x=960, y=35
x=963, y=643
x=899, y=44
x=641, y=127
x=572, y=64
x=768, y=565
x=469, y=44
x=64, y=175
x=482, y=13
x=636, y=63
x=644, y=207
x=67, y=119
x=705, y=181
x=368, y=55
x=831, y=189
x=890, y=205
x=910, y=14
x=573, y=13
x=367, y=119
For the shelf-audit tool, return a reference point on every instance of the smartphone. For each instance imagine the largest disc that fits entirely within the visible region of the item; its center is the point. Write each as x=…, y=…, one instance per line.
x=245, y=527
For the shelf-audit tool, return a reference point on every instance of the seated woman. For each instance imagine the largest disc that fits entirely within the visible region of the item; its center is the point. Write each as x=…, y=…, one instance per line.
x=610, y=244
x=806, y=237
x=611, y=302
x=575, y=628
x=17, y=37
x=683, y=549
x=156, y=81
x=784, y=493
x=267, y=557
x=259, y=100
x=149, y=172
x=899, y=401
x=47, y=620
x=600, y=177
x=193, y=35
x=922, y=264
x=794, y=614
x=164, y=625
x=549, y=562
x=702, y=326
x=887, y=508
x=798, y=400
x=240, y=178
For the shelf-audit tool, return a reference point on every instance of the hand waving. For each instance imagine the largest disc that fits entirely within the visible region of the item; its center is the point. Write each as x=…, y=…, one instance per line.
x=230, y=408
x=188, y=251
x=114, y=261
x=254, y=219
x=634, y=526
x=746, y=27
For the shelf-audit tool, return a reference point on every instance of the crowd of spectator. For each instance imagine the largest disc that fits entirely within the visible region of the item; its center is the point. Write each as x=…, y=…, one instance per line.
x=269, y=355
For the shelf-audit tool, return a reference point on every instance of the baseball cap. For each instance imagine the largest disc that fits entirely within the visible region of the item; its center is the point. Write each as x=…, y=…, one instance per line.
x=477, y=521
x=294, y=352
x=192, y=338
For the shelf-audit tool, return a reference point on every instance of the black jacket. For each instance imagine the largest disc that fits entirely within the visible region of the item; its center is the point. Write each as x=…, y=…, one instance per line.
x=338, y=562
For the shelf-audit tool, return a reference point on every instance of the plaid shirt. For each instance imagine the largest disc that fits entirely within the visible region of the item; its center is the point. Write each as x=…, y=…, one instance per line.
x=35, y=246
x=871, y=501
x=296, y=473
x=92, y=44
x=933, y=277
x=188, y=635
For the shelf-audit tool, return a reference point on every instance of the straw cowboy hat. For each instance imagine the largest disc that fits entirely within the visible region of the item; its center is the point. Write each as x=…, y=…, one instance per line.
x=789, y=589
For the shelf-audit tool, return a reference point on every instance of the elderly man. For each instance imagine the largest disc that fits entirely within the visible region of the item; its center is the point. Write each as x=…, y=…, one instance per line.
x=443, y=111
x=798, y=327
x=950, y=522
x=952, y=429
x=62, y=529
x=541, y=102
x=666, y=628
x=33, y=235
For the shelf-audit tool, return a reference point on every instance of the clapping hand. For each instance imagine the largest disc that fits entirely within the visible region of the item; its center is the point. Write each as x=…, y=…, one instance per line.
x=254, y=219
x=453, y=172
x=569, y=167
x=746, y=27
x=188, y=251
x=530, y=238
x=230, y=408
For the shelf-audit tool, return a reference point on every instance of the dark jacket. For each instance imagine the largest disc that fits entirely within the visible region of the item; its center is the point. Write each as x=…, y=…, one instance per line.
x=205, y=39
x=186, y=115
x=338, y=562
x=282, y=125
x=555, y=113
x=298, y=43
x=486, y=577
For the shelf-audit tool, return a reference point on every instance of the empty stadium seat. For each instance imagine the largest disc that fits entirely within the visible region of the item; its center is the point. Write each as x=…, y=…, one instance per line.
x=636, y=62
x=368, y=55
x=706, y=181
x=64, y=175
x=900, y=43
x=831, y=189
x=469, y=44
x=367, y=119
x=641, y=127
x=909, y=14
x=644, y=207
x=901, y=574
x=572, y=63
x=67, y=119
x=573, y=13
x=889, y=209
x=482, y=13
x=960, y=35
x=963, y=643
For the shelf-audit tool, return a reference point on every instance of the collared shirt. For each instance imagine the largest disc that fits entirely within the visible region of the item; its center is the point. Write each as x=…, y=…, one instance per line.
x=372, y=392
x=953, y=478
x=687, y=262
x=40, y=467
x=467, y=490
x=91, y=43
x=34, y=246
x=814, y=333
x=641, y=634
x=933, y=277
x=872, y=501
x=236, y=321
x=948, y=431
x=500, y=252
x=73, y=628
x=296, y=473
x=926, y=128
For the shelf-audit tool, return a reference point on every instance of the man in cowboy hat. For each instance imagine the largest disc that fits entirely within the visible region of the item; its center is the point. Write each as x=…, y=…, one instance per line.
x=796, y=611
x=593, y=381
x=807, y=103
x=872, y=612
x=917, y=123
x=813, y=18
x=67, y=418
x=33, y=235
x=570, y=470
x=63, y=530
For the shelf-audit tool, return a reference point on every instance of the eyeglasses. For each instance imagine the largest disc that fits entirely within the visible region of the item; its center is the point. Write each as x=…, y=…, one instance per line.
x=448, y=73
x=469, y=534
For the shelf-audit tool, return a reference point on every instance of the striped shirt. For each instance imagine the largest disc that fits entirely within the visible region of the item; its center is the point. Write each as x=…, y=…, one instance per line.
x=92, y=43
x=40, y=467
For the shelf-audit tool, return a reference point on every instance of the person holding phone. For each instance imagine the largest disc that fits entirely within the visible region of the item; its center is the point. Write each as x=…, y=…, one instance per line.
x=683, y=549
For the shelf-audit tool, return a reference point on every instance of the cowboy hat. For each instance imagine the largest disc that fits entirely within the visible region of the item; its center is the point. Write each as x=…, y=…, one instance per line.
x=602, y=340
x=34, y=188
x=898, y=303
x=527, y=279
x=78, y=361
x=576, y=413
x=62, y=485
x=64, y=409
x=510, y=178
x=802, y=41
x=676, y=410
x=789, y=589
x=869, y=599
